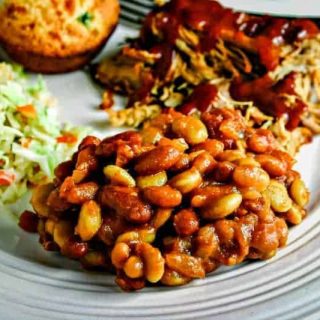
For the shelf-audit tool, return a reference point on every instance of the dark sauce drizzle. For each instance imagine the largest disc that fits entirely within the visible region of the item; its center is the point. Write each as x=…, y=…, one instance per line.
x=261, y=35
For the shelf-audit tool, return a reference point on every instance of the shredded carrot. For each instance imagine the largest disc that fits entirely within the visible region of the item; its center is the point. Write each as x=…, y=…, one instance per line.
x=68, y=138
x=28, y=111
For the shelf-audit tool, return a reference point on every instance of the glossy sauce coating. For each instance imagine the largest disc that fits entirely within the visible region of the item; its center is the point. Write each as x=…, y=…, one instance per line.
x=262, y=34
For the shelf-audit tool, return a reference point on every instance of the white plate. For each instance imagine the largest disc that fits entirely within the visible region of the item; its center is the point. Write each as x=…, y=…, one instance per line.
x=35, y=284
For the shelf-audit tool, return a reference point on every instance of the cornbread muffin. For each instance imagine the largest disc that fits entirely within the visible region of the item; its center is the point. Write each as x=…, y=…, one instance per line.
x=53, y=36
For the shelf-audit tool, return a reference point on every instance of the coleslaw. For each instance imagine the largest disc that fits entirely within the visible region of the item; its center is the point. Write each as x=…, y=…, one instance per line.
x=32, y=140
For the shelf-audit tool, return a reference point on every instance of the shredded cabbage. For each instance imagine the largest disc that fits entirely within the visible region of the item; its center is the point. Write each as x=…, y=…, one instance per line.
x=32, y=140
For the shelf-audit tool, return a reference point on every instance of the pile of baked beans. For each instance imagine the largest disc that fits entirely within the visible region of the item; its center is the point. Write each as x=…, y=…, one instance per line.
x=173, y=201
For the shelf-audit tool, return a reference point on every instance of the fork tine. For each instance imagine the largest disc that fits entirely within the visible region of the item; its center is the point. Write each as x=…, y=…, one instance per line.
x=143, y=3
x=134, y=11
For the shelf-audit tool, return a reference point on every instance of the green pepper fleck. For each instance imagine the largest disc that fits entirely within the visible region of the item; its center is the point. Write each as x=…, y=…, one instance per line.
x=86, y=19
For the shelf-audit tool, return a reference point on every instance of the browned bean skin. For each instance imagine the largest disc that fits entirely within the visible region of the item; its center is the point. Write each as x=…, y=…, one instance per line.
x=86, y=163
x=233, y=243
x=213, y=146
x=186, y=222
x=204, y=196
x=156, y=160
x=64, y=170
x=188, y=266
x=82, y=193
x=163, y=196
x=267, y=237
x=89, y=141
x=56, y=202
x=223, y=171
x=261, y=141
x=126, y=202
x=109, y=146
x=28, y=221
x=182, y=164
x=204, y=163
x=285, y=157
x=274, y=166
x=74, y=248
x=112, y=226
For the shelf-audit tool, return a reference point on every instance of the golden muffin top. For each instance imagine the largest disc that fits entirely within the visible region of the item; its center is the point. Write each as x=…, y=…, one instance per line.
x=57, y=27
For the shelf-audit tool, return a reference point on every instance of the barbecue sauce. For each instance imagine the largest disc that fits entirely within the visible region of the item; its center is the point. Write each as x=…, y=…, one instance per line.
x=259, y=34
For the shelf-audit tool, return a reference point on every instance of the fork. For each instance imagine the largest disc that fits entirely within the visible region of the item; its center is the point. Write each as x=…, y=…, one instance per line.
x=134, y=11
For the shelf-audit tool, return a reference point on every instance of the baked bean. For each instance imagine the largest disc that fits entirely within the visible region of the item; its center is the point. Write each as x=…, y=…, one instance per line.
x=173, y=278
x=77, y=194
x=112, y=226
x=89, y=221
x=120, y=254
x=89, y=141
x=133, y=267
x=49, y=226
x=161, y=216
x=186, y=222
x=82, y=193
x=187, y=180
x=250, y=193
x=193, y=155
x=28, y=221
x=156, y=180
x=274, y=166
x=182, y=164
x=232, y=129
x=110, y=145
x=233, y=243
x=186, y=265
x=86, y=164
x=213, y=146
x=285, y=157
x=249, y=161
x=126, y=202
x=151, y=135
x=206, y=242
x=163, y=196
x=56, y=203
x=222, y=207
x=144, y=235
x=251, y=176
x=64, y=170
x=265, y=239
x=191, y=129
x=223, y=171
x=205, y=196
x=62, y=231
x=119, y=176
x=74, y=249
x=295, y=214
x=261, y=141
x=177, y=245
x=157, y=160
x=299, y=192
x=278, y=195
x=231, y=155
x=39, y=199
x=179, y=144
x=153, y=262
x=204, y=163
